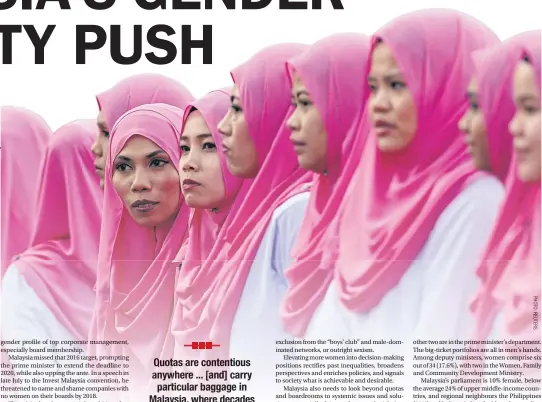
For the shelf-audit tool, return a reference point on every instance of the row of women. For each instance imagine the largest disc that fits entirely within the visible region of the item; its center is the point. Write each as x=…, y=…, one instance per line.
x=383, y=186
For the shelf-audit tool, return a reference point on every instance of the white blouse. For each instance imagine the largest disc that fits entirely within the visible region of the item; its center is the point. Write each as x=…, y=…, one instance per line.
x=257, y=325
x=431, y=301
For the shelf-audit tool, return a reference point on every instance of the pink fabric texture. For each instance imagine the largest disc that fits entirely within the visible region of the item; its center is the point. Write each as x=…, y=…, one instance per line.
x=396, y=198
x=135, y=286
x=205, y=225
x=60, y=264
x=333, y=70
x=24, y=138
x=141, y=89
x=510, y=270
x=494, y=96
x=208, y=309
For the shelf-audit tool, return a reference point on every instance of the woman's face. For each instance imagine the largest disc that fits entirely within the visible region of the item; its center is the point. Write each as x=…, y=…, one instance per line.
x=525, y=125
x=309, y=135
x=473, y=125
x=147, y=181
x=237, y=144
x=202, y=182
x=100, y=148
x=392, y=110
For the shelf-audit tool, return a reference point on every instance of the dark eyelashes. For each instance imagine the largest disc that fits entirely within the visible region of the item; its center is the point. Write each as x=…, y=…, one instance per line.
x=121, y=167
x=207, y=145
x=302, y=103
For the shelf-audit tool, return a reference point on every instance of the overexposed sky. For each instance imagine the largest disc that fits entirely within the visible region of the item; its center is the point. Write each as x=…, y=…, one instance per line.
x=62, y=91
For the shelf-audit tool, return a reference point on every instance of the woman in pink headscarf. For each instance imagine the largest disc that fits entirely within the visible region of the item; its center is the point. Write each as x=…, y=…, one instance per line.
x=329, y=92
x=48, y=292
x=417, y=213
x=491, y=107
x=508, y=303
x=209, y=189
x=23, y=136
x=144, y=225
x=24, y=142
x=127, y=94
x=207, y=185
x=239, y=309
x=498, y=66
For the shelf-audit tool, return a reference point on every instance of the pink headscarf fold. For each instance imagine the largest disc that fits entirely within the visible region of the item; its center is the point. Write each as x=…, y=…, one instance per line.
x=396, y=198
x=510, y=270
x=23, y=143
x=136, y=279
x=60, y=264
x=208, y=311
x=205, y=225
x=24, y=138
x=138, y=90
x=279, y=177
x=333, y=70
x=496, y=103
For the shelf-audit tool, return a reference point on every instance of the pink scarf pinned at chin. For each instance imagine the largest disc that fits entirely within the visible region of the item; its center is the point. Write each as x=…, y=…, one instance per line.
x=60, y=264
x=396, y=198
x=141, y=89
x=135, y=287
x=205, y=224
x=510, y=270
x=206, y=313
x=24, y=138
x=333, y=70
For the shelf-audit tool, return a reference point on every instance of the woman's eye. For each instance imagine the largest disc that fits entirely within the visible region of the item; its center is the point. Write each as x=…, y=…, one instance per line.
x=158, y=163
x=185, y=148
x=209, y=145
x=532, y=109
x=121, y=167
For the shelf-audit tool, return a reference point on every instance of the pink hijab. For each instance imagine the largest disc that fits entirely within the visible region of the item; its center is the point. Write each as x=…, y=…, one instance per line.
x=497, y=104
x=136, y=280
x=510, y=271
x=333, y=70
x=205, y=225
x=207, y=311
x=24, y=139
x=140, y=90
x=396, y=199
x=60, y=264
